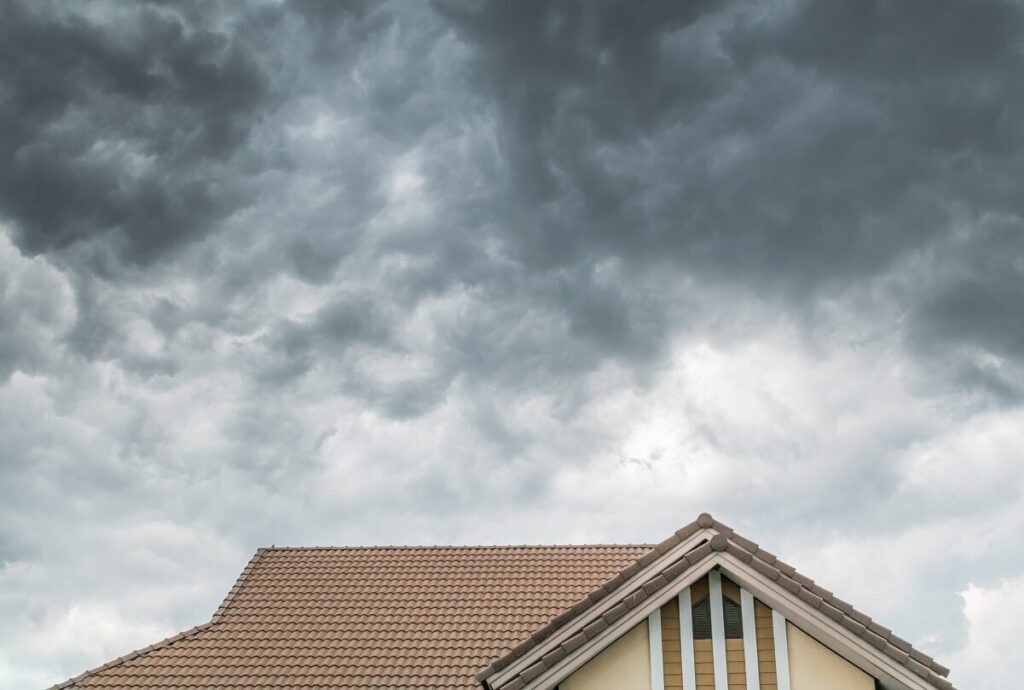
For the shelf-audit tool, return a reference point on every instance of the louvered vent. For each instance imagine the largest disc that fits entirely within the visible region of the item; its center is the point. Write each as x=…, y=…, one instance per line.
x=733, y=619
x=702, y=619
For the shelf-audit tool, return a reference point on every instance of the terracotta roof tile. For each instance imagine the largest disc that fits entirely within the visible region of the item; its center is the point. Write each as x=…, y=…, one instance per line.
x=390, y=617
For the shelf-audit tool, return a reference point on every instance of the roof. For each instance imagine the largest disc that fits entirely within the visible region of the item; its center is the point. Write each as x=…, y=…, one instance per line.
x=432, y=617
x=653, y=572
x=388, y=617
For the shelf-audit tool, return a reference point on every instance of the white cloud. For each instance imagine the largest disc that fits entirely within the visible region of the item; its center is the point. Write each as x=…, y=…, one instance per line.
x=994, y=654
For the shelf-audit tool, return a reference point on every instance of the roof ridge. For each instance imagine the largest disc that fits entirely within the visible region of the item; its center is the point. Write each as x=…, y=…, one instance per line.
x=438, y=547
x=242, y=576
x=166, y=642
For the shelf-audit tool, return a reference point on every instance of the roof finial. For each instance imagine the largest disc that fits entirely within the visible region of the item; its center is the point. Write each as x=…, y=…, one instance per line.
x=705, y=520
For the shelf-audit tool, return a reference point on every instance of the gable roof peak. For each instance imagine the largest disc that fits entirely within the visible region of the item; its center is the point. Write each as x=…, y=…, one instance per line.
x=700, y=545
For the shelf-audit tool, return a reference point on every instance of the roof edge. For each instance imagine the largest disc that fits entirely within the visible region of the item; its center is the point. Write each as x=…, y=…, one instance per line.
x=237, y=587
x=167, y=642
x=457, y=547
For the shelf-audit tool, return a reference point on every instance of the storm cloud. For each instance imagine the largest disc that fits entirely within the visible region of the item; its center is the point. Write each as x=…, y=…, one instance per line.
x=507, y=272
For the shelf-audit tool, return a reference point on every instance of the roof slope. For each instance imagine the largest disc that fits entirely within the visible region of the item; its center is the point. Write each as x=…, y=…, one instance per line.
x=626, y=591
x=389, y=617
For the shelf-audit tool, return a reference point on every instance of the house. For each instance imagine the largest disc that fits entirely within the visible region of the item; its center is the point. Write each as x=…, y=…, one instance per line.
x=706, y=609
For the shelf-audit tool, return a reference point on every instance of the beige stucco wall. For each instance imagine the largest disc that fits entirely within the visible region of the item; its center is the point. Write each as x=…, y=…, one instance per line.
x=626, y=663
x=812, y=666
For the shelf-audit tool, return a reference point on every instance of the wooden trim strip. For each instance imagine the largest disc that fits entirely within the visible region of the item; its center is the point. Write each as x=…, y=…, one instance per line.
x=686, y=641
x=750, y=640
x=781, y=650
x=657, y=661
x=718, y=631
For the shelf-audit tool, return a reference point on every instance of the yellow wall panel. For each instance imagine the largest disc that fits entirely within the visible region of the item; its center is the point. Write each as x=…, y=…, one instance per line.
x=670, y=646
x=704, y=663
x=813, y=666
x=765, y=646
x=626, y=663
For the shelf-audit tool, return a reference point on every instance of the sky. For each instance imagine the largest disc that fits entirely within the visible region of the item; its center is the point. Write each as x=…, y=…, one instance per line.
x=320, y=273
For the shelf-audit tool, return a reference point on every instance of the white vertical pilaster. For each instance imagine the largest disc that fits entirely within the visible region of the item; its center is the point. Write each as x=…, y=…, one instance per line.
x=750, y=640
x=781, y=650
x=718, y=631
x=657, y=660
x=686, y=641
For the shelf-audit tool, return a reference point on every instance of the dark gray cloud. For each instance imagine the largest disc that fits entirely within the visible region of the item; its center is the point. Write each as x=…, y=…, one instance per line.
x=404, y=272
x=798, y=151
x=124, y=122
x=789, y=166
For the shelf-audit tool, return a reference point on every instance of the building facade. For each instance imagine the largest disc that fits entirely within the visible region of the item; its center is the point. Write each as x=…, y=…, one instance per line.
x=706, y=609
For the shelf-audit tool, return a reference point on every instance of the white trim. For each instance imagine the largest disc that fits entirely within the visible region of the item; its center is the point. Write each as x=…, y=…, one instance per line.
x=718, y=631
x=686, y=641
x=750, y=639
x=781, y=650
x=596, y=611
x=657, y=660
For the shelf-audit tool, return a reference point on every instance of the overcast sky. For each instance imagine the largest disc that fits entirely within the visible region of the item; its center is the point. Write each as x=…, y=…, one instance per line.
x=334, y=273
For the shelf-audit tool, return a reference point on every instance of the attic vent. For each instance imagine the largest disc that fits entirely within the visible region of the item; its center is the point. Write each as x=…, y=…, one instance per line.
x=733, y=619
x=702, y=619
